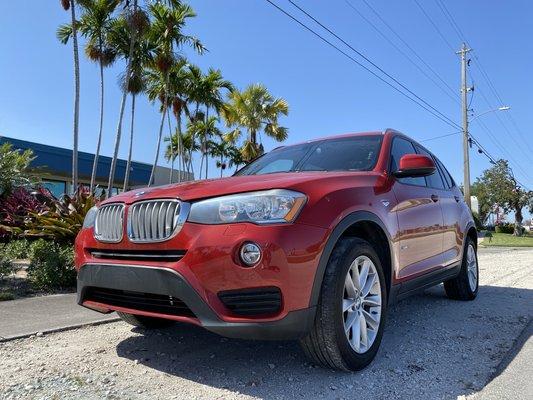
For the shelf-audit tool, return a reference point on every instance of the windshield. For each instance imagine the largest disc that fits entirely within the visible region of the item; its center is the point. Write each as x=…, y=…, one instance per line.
x=356, y=153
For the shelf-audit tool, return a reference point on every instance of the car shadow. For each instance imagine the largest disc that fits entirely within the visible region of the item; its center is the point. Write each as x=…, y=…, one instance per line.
x=432, y=347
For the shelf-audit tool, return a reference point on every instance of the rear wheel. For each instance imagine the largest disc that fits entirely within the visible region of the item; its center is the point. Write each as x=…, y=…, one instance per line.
x=142, y=321
x=465, y=285
x=351, y=310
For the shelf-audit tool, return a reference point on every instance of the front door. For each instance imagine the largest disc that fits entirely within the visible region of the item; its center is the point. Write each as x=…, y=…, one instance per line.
x=420, y=219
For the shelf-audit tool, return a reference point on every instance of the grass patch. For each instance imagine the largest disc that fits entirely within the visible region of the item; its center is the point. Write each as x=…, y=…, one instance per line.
x=508, y=240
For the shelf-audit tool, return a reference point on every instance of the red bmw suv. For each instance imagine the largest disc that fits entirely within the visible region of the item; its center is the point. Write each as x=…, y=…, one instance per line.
x=310, y=242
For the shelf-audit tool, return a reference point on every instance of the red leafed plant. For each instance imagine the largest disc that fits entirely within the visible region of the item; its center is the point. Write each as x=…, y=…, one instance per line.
x=17, y=207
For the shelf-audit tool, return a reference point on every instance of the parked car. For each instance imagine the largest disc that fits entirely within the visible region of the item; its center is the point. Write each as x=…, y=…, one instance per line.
x=310, y=242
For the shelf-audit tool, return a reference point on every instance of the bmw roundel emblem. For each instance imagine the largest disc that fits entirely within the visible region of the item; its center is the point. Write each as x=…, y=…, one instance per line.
x=139, y=194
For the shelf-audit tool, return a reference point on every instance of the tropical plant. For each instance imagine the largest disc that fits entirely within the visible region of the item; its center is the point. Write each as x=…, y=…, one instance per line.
x=165, y=32
x=204, y=130
x=255, y=110
x=70, y=4
x=17, y=208
x=120, y=37
x=52, y=265
x=14, y=168
x=131, y=14
x=206, y=89
x=220, y=151
x=94, y=24
x=188, y=147
x=63, y=218
x=235, y=157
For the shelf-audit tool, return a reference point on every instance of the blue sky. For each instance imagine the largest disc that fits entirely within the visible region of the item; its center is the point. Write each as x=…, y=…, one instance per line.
x=250, y=41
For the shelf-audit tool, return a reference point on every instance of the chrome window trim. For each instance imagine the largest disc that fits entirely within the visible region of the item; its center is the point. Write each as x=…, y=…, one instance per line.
x=96, y=236
x=182, y=217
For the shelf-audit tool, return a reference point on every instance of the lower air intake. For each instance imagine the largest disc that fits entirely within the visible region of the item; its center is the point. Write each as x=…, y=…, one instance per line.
x=256, y=301
x=149, y=302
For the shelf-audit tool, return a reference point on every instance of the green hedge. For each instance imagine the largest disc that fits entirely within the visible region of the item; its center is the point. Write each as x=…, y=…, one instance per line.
x=505, y=228
x=51, y=266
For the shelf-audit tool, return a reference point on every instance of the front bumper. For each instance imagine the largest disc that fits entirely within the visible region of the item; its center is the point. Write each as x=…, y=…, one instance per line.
x=168, y=282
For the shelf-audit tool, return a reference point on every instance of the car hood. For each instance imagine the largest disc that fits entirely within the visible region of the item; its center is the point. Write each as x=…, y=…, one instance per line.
x=201, y=189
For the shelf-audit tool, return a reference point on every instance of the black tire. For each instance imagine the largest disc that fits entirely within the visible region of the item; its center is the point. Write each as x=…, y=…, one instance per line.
x=144, y=322
x=459, y=287
x=327, y=344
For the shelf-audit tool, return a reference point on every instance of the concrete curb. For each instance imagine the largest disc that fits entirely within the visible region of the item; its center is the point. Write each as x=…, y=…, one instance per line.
x=59, y=329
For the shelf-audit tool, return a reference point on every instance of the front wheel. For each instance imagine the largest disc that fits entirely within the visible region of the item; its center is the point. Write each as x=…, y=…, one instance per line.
x=465, y=285
x=351, y=310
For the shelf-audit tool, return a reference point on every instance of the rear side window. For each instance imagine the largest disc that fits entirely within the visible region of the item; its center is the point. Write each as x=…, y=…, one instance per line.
x=447, y=177
x=434, y=180
x=401, y=147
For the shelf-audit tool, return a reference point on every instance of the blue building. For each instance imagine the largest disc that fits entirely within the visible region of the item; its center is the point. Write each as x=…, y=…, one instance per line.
x=54, y=166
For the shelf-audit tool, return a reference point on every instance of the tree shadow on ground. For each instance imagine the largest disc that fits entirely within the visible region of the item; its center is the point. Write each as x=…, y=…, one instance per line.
x=432, y=348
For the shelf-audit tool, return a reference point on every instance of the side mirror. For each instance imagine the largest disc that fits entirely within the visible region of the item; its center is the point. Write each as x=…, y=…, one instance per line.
x=414, y=166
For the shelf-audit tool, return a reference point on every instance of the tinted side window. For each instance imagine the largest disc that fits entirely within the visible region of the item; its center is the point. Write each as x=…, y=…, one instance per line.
x=447, y=177
x=401, y=147
x=434, y=180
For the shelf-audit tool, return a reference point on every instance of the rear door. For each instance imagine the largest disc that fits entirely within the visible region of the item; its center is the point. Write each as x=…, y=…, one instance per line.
x=420, y=219
x=451, y=203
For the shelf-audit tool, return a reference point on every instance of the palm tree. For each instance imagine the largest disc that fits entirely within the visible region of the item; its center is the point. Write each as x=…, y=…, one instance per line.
x=235, y=158
x=166, y=33
x=94, y=24
x=131, y=16
x=69, y=4
x=204, y=130
x=220, y=149
x=120, y=38
x=255, y=110
x=188, y=146
x=206, y=89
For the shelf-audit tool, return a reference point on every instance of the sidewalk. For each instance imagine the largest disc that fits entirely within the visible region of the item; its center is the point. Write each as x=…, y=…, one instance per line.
x=25, y=317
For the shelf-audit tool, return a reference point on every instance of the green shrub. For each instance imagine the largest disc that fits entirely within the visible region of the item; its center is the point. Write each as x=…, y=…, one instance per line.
x=16, y=249
x=505, y=227
x=6, y=267
x=52, y=265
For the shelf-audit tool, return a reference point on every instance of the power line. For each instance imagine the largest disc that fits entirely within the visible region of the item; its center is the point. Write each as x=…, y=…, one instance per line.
x=450, y=121
x=400, y=50
x=441, y=136
x=436, y=113
x=461, y=35
x=443, y=37
x=409, y=47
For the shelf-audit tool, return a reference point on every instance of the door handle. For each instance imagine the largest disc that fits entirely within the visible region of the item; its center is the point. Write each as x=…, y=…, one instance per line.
x=435, y=198
x=457, y=198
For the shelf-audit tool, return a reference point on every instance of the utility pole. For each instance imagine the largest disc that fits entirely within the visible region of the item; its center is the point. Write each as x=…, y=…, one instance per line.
x=466, y=139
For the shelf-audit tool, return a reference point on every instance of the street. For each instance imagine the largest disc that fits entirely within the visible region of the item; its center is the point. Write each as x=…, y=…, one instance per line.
x=433, y=348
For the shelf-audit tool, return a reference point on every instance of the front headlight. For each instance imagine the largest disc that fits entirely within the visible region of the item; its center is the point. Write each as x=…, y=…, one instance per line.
x=264, y=207
x=90, y=217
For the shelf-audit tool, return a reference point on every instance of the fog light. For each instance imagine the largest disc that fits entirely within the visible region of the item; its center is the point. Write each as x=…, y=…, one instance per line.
x=250, y=254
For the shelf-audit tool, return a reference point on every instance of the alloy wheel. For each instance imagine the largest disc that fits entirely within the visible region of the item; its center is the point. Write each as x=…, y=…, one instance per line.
x=471, y=264
x=361, y=304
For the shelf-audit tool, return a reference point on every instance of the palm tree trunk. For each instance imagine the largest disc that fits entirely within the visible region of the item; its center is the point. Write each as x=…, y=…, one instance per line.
x=76, y=97
x=205, y=142
x=170, y=179
x=180, y=158
x=130, y=151
x=121, y=113
x=221, y=162
x=152, y=175
x=99, y=141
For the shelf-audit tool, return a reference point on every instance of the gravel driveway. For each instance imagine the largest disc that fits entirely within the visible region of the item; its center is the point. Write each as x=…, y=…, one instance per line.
x=432, y=348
